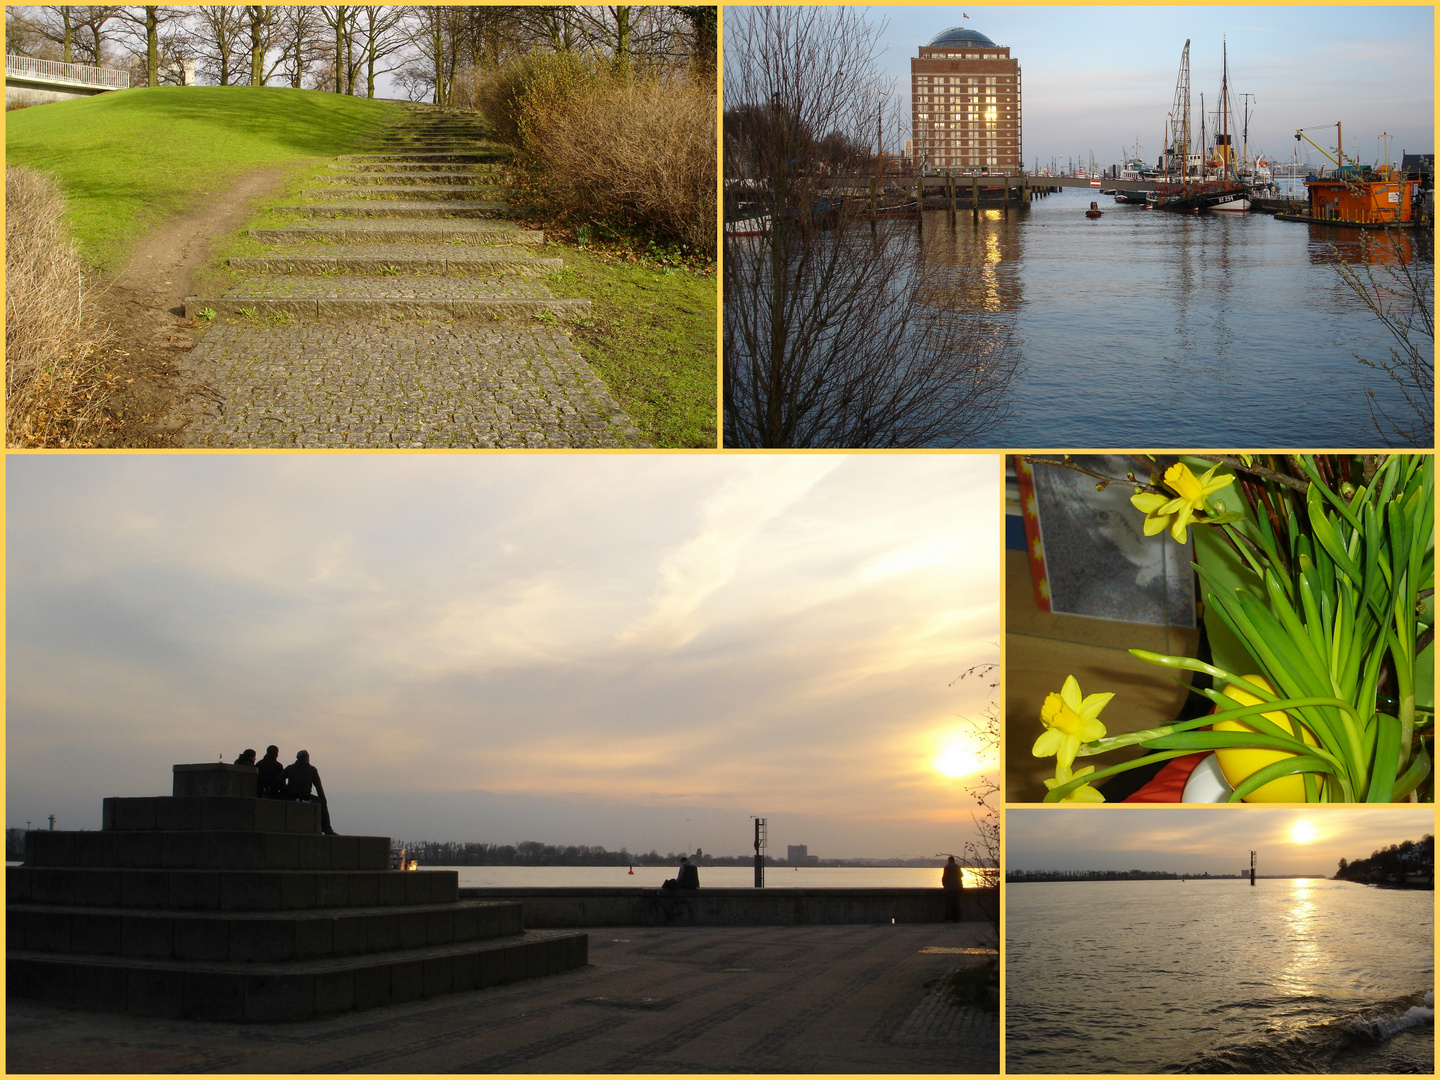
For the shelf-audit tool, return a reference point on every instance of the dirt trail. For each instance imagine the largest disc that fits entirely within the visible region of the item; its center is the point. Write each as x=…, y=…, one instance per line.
x=145, y=304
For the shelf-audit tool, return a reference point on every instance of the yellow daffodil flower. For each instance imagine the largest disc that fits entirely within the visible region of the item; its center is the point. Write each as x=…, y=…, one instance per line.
x=1069, y=721
x=1084, y=793
x=1192, y=493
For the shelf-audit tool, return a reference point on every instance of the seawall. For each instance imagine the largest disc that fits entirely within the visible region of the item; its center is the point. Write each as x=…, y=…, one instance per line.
x=574, y=907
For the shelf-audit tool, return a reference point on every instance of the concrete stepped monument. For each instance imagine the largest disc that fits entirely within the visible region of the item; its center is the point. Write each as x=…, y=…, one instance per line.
x=213, y=904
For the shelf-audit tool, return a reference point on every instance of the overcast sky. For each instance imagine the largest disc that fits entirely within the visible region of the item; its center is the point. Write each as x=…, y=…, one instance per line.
x=1096, y=78
x=1309, y=841
x=637, y=650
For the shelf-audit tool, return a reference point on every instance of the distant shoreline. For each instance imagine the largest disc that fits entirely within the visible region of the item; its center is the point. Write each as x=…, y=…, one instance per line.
x=1162, y=876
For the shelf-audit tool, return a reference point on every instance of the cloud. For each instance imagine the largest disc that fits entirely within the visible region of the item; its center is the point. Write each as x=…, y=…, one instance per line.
x=730, y=631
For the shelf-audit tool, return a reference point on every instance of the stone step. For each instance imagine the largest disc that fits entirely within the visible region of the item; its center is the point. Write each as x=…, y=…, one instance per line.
x=404, y=191
x=433, y=178
x=423, y=151
x=397, y=210
x=227, y=890
x=410, y=165
x=269, y=937
x=436, y=157
x=170, y=849
x=480, y=233
x=226, y=814
x=430, y=145
x=491, y=309
x=407, y=259
x=259, y=993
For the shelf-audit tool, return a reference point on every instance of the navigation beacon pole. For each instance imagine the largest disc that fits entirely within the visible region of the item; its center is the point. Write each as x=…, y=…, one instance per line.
x=760, y=839
x=1252, y=869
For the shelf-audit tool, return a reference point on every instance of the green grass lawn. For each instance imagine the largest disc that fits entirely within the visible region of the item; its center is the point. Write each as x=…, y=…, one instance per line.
x=651, y=337
x=130, y=160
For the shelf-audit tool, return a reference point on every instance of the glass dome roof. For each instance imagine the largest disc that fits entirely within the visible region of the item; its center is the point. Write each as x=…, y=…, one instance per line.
x=959, y=35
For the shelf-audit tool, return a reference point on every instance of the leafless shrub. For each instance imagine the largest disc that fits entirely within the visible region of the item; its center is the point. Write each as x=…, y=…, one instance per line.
x=522, y=98
x=836, y=333
x=1399, y=289
x=638, y=149
x=52, y=388
x=644, y=150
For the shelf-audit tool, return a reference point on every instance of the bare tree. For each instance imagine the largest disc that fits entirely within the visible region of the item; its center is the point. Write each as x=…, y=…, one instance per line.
x=1397, y=284
x=703, y=46
x=298, y=37
x=147, y=30
x=384, y=37
x=837, y=332
x=983, y=852
x=80, y=32
x=558, y=27
x=634, y=38
x=217, y=35
x=437, y=34
x=493, y=34
x=341, y=20
x=25, y=35
x=259, y=20
x=612, y=29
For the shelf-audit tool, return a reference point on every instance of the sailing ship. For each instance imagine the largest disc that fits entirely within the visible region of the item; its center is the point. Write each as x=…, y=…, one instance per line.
x=1221, y=190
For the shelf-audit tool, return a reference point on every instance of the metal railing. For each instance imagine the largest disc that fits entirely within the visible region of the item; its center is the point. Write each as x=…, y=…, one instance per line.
x=75, y=73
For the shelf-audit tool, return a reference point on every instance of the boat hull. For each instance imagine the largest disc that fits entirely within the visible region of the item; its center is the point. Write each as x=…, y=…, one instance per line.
x=1179, y=198
x=1231, y=204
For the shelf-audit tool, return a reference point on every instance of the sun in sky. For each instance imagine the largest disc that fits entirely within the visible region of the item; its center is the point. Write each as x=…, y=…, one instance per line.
x=960, y=753
x=1304, y=832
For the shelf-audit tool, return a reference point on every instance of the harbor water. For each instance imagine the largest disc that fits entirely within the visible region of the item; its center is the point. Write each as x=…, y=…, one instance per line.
x=1303, y=976
x=1145, y=328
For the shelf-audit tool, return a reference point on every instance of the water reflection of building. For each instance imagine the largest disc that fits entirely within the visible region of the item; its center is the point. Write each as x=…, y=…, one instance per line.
x=965, y=111
x=973, y=266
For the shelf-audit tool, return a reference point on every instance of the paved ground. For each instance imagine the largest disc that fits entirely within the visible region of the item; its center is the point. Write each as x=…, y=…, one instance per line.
x=815, y=999
x=419, y=383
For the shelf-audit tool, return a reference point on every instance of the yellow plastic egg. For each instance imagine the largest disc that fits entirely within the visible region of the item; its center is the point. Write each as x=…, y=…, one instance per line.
x=1238, y=763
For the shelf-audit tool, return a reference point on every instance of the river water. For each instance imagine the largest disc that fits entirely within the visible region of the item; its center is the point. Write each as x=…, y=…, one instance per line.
x=1307, y=976
x=715, y=877
x=1144, y=328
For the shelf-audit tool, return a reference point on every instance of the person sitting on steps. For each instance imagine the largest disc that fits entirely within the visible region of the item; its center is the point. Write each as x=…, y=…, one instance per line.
x=271, y=782
x=300, y=777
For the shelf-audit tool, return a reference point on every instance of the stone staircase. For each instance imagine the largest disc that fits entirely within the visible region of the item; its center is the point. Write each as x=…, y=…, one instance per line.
x=418, y=228
x=400, y=307
x=212, y=904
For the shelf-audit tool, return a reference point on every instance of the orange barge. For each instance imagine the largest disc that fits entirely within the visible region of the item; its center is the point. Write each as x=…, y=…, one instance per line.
x=1362, y=199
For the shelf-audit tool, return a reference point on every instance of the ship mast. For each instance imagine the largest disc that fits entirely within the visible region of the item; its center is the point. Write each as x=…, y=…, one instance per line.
x=1204, y=149
x=1180, y=114
x=1225, y=154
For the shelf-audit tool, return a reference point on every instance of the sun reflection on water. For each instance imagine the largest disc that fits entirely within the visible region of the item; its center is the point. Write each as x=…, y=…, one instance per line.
x=1304, y=954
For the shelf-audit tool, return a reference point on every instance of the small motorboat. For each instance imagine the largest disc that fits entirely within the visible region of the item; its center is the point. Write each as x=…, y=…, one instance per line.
x=1094, y=211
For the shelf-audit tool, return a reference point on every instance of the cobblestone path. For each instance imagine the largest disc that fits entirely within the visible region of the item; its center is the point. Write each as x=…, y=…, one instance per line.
x=402, y=308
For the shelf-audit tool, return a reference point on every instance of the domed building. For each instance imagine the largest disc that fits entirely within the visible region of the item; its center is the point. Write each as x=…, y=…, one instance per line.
x=965, y=105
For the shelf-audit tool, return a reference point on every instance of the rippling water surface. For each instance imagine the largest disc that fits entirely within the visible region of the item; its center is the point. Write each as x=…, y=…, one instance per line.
x=1144, y=328
x=1216, y=976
